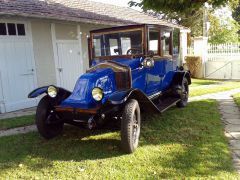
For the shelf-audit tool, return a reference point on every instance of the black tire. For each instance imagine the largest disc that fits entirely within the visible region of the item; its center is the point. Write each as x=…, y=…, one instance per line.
x=130, y=126
x=43, y=113
x=184, y=96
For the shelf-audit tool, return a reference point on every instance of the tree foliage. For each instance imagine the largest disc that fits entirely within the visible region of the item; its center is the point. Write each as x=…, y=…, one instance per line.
x=236, y=13
x=223, y=32
x=178, y=7
x=188, y=13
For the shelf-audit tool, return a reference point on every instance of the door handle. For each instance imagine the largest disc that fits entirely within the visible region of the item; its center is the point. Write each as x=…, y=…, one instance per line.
x=60, y=69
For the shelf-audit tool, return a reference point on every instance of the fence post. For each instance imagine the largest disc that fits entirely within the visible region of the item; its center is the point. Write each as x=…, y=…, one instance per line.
x=201, y=49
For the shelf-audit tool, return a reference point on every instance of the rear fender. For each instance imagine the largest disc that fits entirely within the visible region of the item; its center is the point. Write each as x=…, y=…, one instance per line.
x=62, y=93
x=121, y=97
x=176, y=86
x=179, y=76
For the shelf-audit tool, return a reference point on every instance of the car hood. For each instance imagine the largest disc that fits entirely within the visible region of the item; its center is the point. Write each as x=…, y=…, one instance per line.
x=81, y=96
x=133, y=63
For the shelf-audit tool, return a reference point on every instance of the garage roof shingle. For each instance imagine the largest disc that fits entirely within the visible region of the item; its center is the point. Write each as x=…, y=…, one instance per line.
x=78, y=11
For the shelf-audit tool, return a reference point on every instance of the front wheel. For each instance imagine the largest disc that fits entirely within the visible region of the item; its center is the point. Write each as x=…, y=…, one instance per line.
x=48, y=124
x=184, y=96
x=130, y=126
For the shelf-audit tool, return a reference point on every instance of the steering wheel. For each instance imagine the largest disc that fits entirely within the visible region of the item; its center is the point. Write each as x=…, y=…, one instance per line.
x=133, y=51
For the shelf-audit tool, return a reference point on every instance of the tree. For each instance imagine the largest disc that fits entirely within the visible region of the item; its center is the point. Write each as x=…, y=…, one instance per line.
x=178, y=7
x=223, y=31
x=188, y=13
x=236, y=13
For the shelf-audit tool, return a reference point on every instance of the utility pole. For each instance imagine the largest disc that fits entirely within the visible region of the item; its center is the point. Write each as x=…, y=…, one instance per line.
x=205, y=20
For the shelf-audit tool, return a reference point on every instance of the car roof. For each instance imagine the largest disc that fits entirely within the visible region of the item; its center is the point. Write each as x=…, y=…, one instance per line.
x=131, y=27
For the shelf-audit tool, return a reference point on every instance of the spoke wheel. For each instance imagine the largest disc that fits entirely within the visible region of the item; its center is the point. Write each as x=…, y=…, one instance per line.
x=185, y=93
x=130, y=126
x=47, y=121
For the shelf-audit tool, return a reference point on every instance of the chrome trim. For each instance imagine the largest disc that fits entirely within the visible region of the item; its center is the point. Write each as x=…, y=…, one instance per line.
x=155, y=95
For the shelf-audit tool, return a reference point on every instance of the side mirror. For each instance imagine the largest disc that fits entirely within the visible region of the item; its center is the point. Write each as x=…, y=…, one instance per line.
x=148, y=62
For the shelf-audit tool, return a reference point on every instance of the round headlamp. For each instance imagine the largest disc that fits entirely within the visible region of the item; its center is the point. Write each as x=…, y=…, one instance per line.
x=97, y=94
x=52, y=91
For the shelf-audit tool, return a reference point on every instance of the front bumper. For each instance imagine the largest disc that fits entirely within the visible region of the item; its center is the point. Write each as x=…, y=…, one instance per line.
x=76, y=110
x=71, y=113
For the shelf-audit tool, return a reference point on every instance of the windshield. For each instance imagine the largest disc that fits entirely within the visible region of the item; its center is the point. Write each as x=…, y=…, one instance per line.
x=117, y=43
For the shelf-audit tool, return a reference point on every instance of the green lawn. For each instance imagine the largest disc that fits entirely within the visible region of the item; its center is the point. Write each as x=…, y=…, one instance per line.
x=200, y=82
x=236, y=98
x=27, y=120
x=16, y=122
x=218, y=88
x=181, y=143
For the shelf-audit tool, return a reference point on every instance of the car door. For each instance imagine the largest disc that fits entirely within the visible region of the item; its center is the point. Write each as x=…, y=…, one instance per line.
x=160, y=75
x=154, y=73
x=168, y=62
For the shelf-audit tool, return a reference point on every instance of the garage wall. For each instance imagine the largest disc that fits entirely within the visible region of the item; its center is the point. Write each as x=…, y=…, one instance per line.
x=43, y=49
x=43, y=53
x=85, y=32
x=66, y=32
x=1, y=96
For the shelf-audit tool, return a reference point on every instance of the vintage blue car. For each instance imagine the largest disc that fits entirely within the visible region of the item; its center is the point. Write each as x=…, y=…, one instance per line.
x=133, y=69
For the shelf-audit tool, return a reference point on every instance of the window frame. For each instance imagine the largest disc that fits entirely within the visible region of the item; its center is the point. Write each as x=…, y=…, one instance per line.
x=17, y=36
x=140, y=28
x=145, y=36
x=163, y=30
x=159, y=39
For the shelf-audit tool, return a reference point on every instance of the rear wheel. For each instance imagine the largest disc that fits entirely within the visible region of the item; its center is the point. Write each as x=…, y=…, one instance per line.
x=184, y=95
x=48, y=123
x=130, y=126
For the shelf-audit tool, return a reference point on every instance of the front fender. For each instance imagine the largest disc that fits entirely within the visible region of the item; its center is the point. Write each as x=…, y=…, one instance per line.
x=121, y=97
x=62, y=93
x=37, y=92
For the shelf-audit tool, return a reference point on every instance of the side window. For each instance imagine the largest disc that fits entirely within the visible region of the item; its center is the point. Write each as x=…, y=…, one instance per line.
x=131, y=40
x=176, y=42
x=21, y=29
x=3, y=29
x=12, y=29
x=165, y=42
x=113, y=44
x=153, y=41
x=126, y=44
x=97, y=46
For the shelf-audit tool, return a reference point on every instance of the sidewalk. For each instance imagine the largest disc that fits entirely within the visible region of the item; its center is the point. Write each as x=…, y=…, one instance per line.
x=23, y=112
x=231, y=120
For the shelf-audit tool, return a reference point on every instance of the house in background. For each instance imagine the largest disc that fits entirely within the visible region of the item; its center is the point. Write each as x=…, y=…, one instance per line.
x=44, y=42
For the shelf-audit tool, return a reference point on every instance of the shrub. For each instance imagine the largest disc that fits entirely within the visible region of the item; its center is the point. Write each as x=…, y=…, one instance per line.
x=194, y=64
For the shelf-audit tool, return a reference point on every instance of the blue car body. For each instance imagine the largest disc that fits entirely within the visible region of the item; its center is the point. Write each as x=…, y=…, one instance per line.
x=122, y=78
x=149, y=81
x=133, y=70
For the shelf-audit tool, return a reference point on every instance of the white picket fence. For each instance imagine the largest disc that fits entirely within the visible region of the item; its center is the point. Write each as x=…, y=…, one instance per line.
x=190, y=50
x=222, y=62
x=224, y=52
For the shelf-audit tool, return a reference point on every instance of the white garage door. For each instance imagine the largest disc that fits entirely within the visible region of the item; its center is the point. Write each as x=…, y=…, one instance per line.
x=69, y=63
x=17, y=68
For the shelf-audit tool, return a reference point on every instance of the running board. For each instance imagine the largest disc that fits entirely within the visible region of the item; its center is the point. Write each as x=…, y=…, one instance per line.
x=167, y=103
